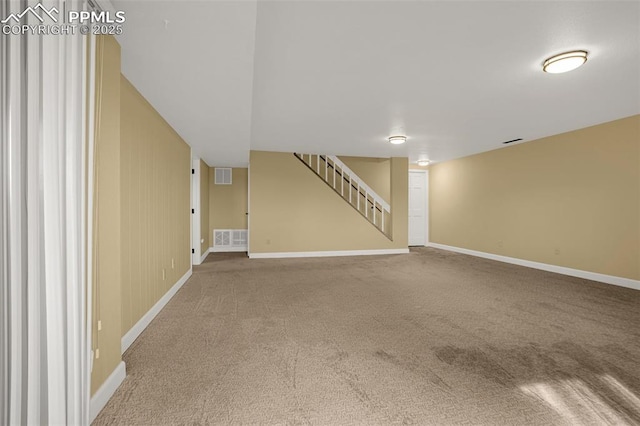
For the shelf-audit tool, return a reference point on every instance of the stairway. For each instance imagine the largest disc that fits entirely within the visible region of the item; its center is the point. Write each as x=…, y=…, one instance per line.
x=351, y=188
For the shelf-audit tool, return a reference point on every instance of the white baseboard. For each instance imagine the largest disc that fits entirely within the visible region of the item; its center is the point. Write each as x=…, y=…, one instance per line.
x=106, y=391
x=224, y=249
x=594, y=276
x=279, y=255
x=139, y=327
x=204, y=255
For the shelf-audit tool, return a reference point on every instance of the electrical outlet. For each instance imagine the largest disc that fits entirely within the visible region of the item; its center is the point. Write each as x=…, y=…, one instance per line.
x=99, y=325
x=557, y=251
x=500, y=244
x=268, y=241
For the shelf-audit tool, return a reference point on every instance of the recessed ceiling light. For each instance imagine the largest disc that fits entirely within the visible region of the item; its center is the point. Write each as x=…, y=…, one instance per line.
x=423, y=163
x=397, y=140
x=565, y=62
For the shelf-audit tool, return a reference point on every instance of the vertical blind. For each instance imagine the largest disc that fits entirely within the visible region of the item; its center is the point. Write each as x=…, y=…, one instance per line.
x=44, y=349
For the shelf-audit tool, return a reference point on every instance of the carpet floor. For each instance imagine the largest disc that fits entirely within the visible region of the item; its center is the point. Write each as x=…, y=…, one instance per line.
x=430, y=337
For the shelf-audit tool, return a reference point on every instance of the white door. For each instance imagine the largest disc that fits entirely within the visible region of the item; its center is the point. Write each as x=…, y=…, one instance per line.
x=418, y=219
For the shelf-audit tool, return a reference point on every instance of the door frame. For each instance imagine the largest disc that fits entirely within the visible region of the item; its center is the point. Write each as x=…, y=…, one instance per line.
x=248, y=210
x=425, y=174
x=195, y=213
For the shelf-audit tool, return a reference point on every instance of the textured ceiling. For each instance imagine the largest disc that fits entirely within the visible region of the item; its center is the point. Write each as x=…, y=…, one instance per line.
x=339, y=77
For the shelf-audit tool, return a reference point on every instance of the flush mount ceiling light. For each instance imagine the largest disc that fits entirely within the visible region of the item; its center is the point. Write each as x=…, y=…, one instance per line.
x=397, y=140
x=423, y=163
x=565, y=62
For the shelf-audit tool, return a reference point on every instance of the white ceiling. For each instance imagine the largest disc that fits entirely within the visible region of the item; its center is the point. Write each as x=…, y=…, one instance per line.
x=196, y=69
x=339, y=77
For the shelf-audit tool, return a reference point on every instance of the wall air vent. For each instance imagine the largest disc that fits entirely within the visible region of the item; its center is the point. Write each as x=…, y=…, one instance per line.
x=511, y=141
x=222, y=176
x=229, y=240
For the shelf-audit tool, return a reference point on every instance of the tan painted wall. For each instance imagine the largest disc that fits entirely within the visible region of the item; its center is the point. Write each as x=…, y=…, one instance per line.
x=293, y=210
x=204, y=207
x=571, y=200
x=376, y=172
x=156, y=174
x=106, y=216
x=400, y=201
x=228, y=203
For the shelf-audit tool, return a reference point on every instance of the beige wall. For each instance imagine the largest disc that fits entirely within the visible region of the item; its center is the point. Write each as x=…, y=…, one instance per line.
x=204, y=207
x=228, y=203
x=400, y=201
x=106, y=216
x=376, y=172
x=156, y=174
x=571, y=200
x=141, y=217
x=292, y=210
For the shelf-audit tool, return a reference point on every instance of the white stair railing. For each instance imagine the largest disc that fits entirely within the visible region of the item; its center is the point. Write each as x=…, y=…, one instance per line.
x=351, y=188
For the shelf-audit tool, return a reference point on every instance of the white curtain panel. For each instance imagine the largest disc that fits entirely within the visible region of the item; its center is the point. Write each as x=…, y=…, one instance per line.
x=44, y=357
